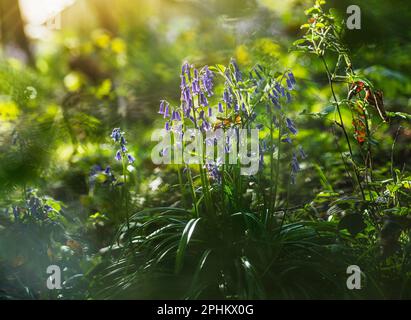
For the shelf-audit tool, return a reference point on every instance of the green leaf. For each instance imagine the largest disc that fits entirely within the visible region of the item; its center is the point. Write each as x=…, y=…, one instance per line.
x=185, y=239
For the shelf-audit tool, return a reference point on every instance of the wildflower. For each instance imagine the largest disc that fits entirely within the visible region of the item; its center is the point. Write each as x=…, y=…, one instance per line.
x=302, y=153
x=202, y=100
x=237, y=73
x=207, y=80
x=226, y=96
x=287, y=140
x=166, y=111
x=183, y=82
x=291, y=78
x=288, y=95
x=130, y=158
x=210, y=112
x=116, y=135
x=295, y=166
x=175, y=116
x=220, y=107
x=162, y=107
x=289, y=85
x=291, y=126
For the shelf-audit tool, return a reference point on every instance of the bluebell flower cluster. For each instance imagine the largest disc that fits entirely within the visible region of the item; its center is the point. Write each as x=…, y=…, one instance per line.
x=118, y=137
x=235, y=109
x=277, y=97
x=34, y=207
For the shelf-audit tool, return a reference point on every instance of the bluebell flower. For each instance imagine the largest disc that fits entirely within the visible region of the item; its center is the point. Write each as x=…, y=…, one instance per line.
x=302, y=153
x=292, y=78
x=237, y=73
x=291, y=126
x=288, y=95
x=278, y=87
x=167, y=126
x=116, y=134
x=162, y=107
x=295, y=166
x=226, y=96
x=118, y=155
x=207, y=80
x=210, y=112
x=202, y=100
x=287, y=140
x=220, y=107
x=173, y=116
x=289, y=85
x=236, y=108
x=130, y=158
x=166, y=111
x=123, y=148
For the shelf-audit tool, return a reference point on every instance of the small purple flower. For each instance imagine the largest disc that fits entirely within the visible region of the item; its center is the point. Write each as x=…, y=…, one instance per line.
x=202, y=100
x=123, y=148
x=207, y=80
x=237, y=73
x=289, y=85
x=130, y=158
x=162, y=107
x=292, y=78
x=295, y=166
x=278, y=87
x=226, y=96
x=287, y=140
x=220, y=107
x=118, y=155
x=167, y=126
x=302, y=153
x=291, y=126
x=166, y=111
x=288, y=95
x=174, y=116
x=116, y=134
x=210, y=112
